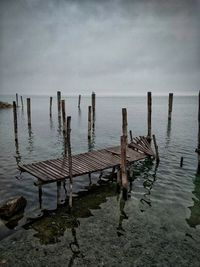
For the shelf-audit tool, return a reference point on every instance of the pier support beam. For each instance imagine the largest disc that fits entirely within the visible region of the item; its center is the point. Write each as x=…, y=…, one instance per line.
x=50, y=106
x=149, y=112
x=69, y=158
x=170, y=105
x=79, y=101
x=156, y=149
x=64, y=127
x=124, y=124
x=29, y=111
x=124, y=167
x=89, y=122
x=59, y=103
x=22, y=103
x=17, y=103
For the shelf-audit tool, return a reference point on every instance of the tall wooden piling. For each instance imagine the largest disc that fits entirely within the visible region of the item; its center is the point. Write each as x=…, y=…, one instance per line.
x=59, y=103
x=124, y=167
x=50, y=106
x=124, y=123
x=198, y=146
x=93, y=103
x=17, y=103
x=156, y=149
x=69, y=158
x=22, y=103
x=170, y=105
x=149, y=112
x=89, y=122
x=29, y=111
x=15, y=120
x=79, y=101
x=64, y=127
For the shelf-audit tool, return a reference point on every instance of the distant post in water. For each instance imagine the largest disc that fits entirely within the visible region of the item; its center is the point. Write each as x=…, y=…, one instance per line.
x=131, y=136
x=59, y=103
x=22, y=103
x=69, y=158
x=124, y=123
x=17, y=103
x=170, y=105
x=149, y=111
x=50, y=106
x=123, y=167
x=79, y=101
x=89, y=122
x=15, y=120
x=93, y=104
x=29, y=111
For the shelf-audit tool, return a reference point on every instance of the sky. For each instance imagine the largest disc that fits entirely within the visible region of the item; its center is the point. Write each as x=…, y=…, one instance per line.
x=118, y=47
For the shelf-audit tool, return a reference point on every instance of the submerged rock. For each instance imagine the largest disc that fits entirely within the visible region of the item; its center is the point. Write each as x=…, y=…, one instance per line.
x=5, y=105
x=12, y=206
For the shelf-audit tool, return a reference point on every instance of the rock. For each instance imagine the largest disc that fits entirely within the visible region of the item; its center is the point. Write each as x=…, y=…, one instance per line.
x=5, y=105
x=12, y=206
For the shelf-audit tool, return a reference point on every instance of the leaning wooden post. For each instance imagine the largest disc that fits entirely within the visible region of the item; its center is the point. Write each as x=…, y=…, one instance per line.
x=22, y=103
x=17, y=103
x=59, y=103
x=64, y=127
x=89, y=122
x=15, y=120
x=69, y=158
x=170, y=104
x=124, y=124
x=79, y=101
x=50, y=106
x=198, y=147
x=29, y=111
x=131, y=136
x=156, y=149
x=123, y=167
x=149, y=108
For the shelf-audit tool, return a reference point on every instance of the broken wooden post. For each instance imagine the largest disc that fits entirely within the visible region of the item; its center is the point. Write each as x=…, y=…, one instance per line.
x=17, y=103
x=170, y=104
x=124, y=124
x=181, y=162
x=79, y=101
x=59, y=103
x=64, y=127
x=22, y=103
x=29, y=111
x=156, y=149
x=149, y=108
x=198, y=147
x=131, y=136
x=50, y=106
x=58, y=193
x=123, y=167
x=69, y=158
x=15, y=120
x=89, y=122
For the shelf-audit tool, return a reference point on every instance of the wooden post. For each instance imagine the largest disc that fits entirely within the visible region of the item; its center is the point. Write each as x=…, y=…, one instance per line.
x=17, y=103
x=93, y=103
x=58, y=193
x=124, y=123
x=40, y=195
x=79, y=101
x=29, y=111
x=123, y=167
x=69, y=158
x=198, y=147
x=15, y=120
x=64, y=127
x=22, y=103
x=149, y=107
x=156, y=149
x=50, y=106
x=89, y=122
x=131, y=136
x=181, y=162
x=170, y=104
x=59, y=103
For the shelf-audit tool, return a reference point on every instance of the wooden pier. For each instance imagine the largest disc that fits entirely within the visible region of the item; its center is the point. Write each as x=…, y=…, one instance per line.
x=55, y=170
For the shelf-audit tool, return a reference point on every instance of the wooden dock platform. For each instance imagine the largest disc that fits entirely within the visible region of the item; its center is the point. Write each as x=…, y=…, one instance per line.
x=54, y=170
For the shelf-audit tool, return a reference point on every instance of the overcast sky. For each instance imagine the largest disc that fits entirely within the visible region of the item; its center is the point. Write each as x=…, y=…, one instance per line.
x=110, y=47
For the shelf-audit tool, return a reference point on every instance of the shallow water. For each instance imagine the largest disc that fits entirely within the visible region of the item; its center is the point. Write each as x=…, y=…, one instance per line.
x=169, y=187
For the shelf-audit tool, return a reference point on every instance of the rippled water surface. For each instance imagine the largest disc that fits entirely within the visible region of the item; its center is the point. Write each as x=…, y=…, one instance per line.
x=175, y=189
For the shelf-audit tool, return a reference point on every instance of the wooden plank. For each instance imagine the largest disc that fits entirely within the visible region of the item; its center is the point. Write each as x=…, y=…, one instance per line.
x=43, y=171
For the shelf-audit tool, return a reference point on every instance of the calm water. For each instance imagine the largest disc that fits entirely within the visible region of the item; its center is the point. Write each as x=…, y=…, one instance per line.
x=176, y=188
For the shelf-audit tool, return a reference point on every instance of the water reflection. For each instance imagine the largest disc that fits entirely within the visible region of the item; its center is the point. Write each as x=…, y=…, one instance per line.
x=194, y=218
x=168, y=135
x=30, y=139
x=91, y=142
x=123, y=215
